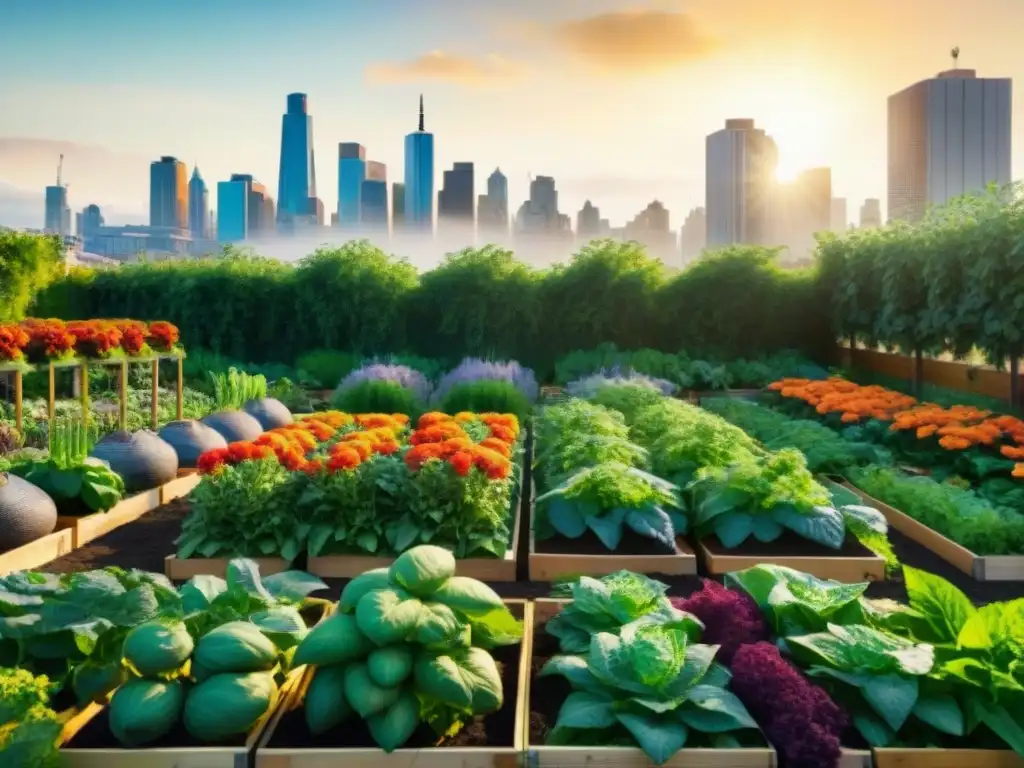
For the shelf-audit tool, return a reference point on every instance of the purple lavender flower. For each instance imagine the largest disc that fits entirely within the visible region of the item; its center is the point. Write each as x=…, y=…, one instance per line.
x=400, y=374
x=615, y=376
x=474, y=369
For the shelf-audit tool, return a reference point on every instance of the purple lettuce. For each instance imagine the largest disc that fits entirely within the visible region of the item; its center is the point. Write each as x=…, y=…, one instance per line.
x=798, y=717
x=474, y=369
x=400, y=374
x=730, y=619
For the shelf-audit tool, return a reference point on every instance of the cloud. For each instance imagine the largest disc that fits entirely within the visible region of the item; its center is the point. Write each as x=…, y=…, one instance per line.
x=439, y=65
x=634, y=41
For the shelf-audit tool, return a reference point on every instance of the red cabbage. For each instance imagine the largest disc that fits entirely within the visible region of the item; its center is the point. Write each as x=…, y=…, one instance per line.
x=731, y=619
x=800, y=719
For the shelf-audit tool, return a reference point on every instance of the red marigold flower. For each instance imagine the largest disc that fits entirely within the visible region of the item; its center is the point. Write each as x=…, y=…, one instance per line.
x=312, y=467
x=461, y=462
x=344, y=457
x=13, y=341
x=502, y=432
x=437, y=433
x=432, y=418
x=362, y=447
x=496, y=445
x=210, y=461
x=387, y=447
x=422, y=453
x=163, y=336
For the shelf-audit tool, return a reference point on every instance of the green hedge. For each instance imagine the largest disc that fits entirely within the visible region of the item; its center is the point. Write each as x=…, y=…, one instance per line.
x=27, y=263
x=735, y=303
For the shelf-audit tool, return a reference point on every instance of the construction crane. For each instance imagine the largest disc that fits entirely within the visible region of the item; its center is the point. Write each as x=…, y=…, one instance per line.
x=60, y=167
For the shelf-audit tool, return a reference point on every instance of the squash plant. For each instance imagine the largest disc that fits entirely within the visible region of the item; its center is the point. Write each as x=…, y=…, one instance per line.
x=78, y=483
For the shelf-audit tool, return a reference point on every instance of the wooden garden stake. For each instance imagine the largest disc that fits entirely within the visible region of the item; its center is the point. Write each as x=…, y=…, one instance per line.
x=155, y=392
x=918, y=373
x=181, y=388
x=51, y=404
x=123, y=398
x=17, y=401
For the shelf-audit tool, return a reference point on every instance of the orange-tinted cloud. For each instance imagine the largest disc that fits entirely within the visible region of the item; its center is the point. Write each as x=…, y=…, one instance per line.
x=635, y=41
x=439, y=65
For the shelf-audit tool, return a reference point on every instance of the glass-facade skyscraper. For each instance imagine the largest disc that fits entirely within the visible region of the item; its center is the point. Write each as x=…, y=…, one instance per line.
x=351, y=174
x=168, y=193
x=198, y=206
x=419, y=177
x=233, y=210
x=297, y=178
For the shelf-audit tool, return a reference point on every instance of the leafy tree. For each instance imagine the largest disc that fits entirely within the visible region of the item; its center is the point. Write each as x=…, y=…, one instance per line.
x=27, y=264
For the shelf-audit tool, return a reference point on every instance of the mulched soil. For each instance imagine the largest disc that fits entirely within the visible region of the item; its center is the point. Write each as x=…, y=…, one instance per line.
x=588, y=544
x=788, y=545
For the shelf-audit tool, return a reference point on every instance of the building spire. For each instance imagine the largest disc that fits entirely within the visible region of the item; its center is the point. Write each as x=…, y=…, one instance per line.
x=421, y=114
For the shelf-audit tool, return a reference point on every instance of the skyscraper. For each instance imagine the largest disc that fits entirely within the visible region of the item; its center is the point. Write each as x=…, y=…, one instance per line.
x=947, y=136
x=296, y=186
x=588, y=222
x=168, y=193
x=652, y=227
x=419, y=177
x=839, y=221
x=871, y=213
x=740, y=178
x=198, y=206
x=397, y=205
x=492, y=207
x=89, y=221
x=233, y=209
x=801, y=208
x=259, y=205
x=351, y=174
x=455, y=201
x=694, y=234
x=58, y=214
x=373, y=197
x=539, y=214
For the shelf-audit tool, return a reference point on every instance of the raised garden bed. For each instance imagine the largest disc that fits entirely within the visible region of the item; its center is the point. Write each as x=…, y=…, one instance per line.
x=488, y=569
x=87, y=741
x=181, y=486
x=89, y=527
x=981, y=567
x=853, y=563
x=39, y=552
x=494, y=741
x=546, y=695
x=559, y=557
x=947, y=758
x=177, y=569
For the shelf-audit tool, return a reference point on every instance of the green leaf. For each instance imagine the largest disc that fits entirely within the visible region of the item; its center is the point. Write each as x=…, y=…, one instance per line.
x=823, y=525
x=944, y=607
x=608, y=527
x=566, y=518
x=586, y=710
x=765, y=529
x=659, y=737
x=941, y=712
x=200, y=591
x=875, y=732
x=891, y=696
x=715, y=710
x=574, y=669
x=732, y=528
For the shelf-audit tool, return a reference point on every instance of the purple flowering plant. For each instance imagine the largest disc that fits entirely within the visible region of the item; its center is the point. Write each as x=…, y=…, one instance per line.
x=615, y=376
x=402, y=375
x=473, y=369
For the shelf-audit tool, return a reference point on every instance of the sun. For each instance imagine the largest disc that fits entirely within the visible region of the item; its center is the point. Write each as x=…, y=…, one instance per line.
x=786, y=171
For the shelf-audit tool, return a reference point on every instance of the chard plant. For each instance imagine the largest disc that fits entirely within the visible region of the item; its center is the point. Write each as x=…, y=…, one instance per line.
x=235, y=388
x=652, y=685
x=610, y=498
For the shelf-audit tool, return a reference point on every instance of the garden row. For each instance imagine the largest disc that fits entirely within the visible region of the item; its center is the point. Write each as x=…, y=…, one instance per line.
x=416, y=663
x=949, y=478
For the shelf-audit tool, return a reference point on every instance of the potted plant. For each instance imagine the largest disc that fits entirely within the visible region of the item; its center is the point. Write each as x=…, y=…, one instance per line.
x=231, y=391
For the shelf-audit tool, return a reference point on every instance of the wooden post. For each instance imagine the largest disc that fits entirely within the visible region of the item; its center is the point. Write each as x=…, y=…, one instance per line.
x=155, y=393
x=83, y=373
x=51, y=403
x=18, y=414
x=123, y=397
x=1014, y=382
x=917, y=376
x=181, y=388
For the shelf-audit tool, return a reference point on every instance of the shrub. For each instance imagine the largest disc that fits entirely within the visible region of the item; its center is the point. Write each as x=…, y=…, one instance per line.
x=474, y=369
x=327, y=367
x=377, y=396
x=486, y=397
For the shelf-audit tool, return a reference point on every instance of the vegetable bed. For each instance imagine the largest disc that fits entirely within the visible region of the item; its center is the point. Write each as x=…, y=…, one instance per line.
x=37, y=553
x=548, y=695
x=489, y=741
x=852, y=563
x=89, y=527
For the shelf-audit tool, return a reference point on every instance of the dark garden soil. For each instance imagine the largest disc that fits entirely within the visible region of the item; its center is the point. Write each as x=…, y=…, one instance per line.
x=788, y=545
x=495, y=730
x=588, y=544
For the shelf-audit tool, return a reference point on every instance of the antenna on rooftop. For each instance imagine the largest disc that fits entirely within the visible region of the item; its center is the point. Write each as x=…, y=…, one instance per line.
x=955, y=53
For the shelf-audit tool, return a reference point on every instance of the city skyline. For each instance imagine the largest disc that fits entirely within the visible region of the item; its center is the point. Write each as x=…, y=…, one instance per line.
x=496, y=92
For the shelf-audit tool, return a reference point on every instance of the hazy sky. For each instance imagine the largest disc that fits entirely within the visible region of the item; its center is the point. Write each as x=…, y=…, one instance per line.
x=611, y=98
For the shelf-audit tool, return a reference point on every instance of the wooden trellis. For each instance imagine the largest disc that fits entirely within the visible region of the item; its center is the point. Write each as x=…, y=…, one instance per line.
x=82, y=366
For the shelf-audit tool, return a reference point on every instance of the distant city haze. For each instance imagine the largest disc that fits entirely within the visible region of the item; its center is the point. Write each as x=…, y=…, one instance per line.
x=613, y=100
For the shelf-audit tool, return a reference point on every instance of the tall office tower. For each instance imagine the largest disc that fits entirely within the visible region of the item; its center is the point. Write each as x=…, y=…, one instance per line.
x=455, y=200
x=838, y=216
x=168, y=193
x=351, y=174
x=373, y=197
x=947, y=136
x=57, y=220
x=740, y=179
x=89, y=221
x=296, y=185
x=198, y=206
x=260, y=206
x=419, y=178
x=539, y=214
x=802, y=208
x=233, y=209
x=588, y=222
x=397, y=205
x=652, y=227
x=693, y=237
x=492, y=206
x=871, y=213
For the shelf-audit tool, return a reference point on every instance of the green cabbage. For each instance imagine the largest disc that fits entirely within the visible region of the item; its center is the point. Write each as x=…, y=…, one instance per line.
x=141, y=711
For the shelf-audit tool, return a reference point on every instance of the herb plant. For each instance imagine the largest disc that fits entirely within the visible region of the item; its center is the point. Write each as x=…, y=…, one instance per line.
x=235, y=388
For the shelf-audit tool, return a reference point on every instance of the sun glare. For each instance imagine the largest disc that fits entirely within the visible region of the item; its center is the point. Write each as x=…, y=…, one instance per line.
x=785, y=171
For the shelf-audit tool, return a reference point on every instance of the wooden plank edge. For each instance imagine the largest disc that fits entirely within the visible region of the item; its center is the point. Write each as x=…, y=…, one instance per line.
x=836, y=568
x=999, y=568
x=177, y=569
x=569, y=757
x=946, y=758
x=855, y=758
x=271, y=757
x=37, y=553
x=180, y=486
x=955, y=554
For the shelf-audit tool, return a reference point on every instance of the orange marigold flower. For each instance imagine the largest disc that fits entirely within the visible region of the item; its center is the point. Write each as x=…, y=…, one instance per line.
x=1018, y=470
x=461, y=462
x=432, y=418
x=1012, y=452
x=362, y=447
x=374, y=420
x=334, y=419
x=496, y=445
x=387, y=447
x=420, y=454
x=503, y=432
x=927, y=431
x=436, y=433
x=463, y=416
x=344, y=457
x=849, y=417
x=954, y=443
